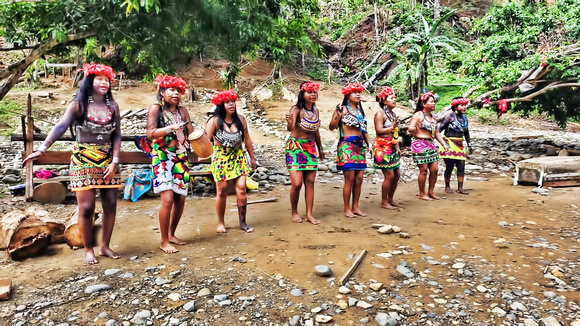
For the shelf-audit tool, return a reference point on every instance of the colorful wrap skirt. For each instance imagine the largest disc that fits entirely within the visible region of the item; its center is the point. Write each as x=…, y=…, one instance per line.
x=351, y=154
x=456, y=150
x=386, y=154
x=301, y=154
x=228, y=163
x=170, y=170
x=88, y=163
x=424, y=151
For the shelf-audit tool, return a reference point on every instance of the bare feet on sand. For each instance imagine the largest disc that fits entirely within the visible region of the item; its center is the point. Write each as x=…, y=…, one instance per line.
x=177, y=241
x=106, y=251
x=462, y=191
x=434, y=196
x=221, y=228
x=246, y=227
x=388, y=206
x=425, y=197
x=448, y=190
x=168, y=248
x=312, y=220
x=394, y=203
x=348, y=213
x=358, y=212
x=296, y=218
x=90, y=258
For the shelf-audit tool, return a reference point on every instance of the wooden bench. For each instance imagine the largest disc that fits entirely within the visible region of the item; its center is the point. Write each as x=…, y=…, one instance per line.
x=63, y=157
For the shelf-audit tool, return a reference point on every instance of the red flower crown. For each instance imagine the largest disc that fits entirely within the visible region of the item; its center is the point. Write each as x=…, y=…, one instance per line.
x=168, y=81
x=386, y=91
x=99, y=69
x=426, y=96
x=458, y=101
x=352, y=87
x=225, y=96
x=310, y=87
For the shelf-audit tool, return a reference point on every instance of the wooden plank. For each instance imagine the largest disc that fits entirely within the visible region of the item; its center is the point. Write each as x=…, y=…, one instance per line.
x=29, y=143
x=562, y=183
x=61, y=65
x=42, y=137
x=352, y=268
x=63, y=157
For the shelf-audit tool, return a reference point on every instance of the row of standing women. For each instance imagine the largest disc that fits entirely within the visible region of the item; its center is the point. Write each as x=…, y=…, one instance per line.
x=94, y=118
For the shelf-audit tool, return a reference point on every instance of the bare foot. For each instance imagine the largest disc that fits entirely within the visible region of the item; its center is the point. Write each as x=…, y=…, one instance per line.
x=312, y=220
x=168, y=248
x=394, y=203
x=448, y=190
x=246, y=227
x=106, y=251
x=296, y=218
x=434, y=196
x=348, y=213
x=221, y=228
x=425, y=197
x=359, y=212
x=462, y=191
x=177, y=241
x=90, y=258
x=388, y=206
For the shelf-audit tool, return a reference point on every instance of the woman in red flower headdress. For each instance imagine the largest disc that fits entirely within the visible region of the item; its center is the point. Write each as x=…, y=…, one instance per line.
x=349, y=117
x=168, y=125
x=229, y=132
x=94, y=117
x=456, y=129
x=301, y=149
x=386, y=146
x=423, y=128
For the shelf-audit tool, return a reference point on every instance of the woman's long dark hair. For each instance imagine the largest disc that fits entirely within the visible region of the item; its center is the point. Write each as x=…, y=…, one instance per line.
x=301, y=103
x=82, y=96
x=220, y=113
x=358, y=105
x=421, y=103
x=162, y=106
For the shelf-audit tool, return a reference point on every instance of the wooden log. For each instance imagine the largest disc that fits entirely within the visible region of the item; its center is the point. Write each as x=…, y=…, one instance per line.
x=54, y=222
x=8, y=224
x=352, y=268
x=30, y=239
x=72, y=234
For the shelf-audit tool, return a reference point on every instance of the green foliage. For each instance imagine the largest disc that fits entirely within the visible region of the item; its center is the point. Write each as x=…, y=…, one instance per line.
x=9, y=109
x=487, y=116
x=446, y=94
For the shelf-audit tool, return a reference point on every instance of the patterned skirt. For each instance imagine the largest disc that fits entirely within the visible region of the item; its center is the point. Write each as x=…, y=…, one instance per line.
x=351, y=154
x=301, y=154
x=386, y=156
x=424, y=151
x=88, y=163
x=228, y=163
x=456, y=150
x=170, y=170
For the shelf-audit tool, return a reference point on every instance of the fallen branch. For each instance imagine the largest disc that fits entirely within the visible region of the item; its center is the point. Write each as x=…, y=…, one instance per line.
x=352, y=268
x=259, y=201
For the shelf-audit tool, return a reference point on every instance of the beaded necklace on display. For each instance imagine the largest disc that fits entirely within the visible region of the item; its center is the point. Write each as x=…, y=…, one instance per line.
x=108, y=103
x=358, y=115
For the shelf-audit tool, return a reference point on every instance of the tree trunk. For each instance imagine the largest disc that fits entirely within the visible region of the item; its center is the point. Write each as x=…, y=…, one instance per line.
x=72, y=234
x=376, y=22
x=436, y=9
x=13, y=72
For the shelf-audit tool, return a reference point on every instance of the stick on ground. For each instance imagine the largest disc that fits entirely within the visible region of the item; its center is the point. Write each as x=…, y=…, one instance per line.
x=352, y=268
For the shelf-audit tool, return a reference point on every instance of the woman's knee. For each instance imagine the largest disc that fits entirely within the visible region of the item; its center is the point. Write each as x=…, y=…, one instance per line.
x=86, y=210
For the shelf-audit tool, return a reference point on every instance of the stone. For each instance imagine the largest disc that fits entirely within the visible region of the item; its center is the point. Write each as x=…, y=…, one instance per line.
x=343, y=290
x=376, y=286
x=352, y=302
x=405, y=271
x=323, y=319
x=404, y=235
x=396, y=229
x=112, y=271
x=220, y=297
x=162, y=281
x=190, y=306
x=342, y=304
x=458, y=265
x=550, y=321
x=295, y=321
x=363, y=304
x=499, y=312
x=550, y=295
x=174, y=296
x=386, y=229
x=140, y=317
x=225, y=303
x=111, y=322
x=440, y=301
x=530, y=322
x=97, y=288
x=364, y=321
x=203, y=292
x=481, y=288
x=316, y=310
x=323, y=270
x=296, y=292
x=518, y=306
x=384, y=319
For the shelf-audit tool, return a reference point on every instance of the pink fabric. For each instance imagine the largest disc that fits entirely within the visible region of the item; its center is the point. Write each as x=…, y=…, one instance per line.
x=44, y=174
